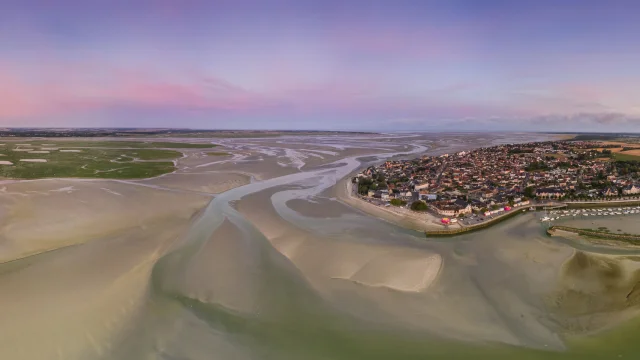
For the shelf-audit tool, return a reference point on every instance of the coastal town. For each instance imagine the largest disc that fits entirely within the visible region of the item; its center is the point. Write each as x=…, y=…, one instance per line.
x=488, y=182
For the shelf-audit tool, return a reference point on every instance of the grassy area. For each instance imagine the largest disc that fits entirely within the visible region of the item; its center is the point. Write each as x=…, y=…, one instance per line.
x=218, y=153
x=108, y=144
x=625, y=157
x=87, y=163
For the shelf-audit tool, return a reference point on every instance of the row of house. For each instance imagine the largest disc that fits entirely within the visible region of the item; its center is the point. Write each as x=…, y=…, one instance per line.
x=493, y=177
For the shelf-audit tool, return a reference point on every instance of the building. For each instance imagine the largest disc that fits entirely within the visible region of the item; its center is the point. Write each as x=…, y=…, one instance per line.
x=464, y=207
x=549, y=193
x=456, y=208
x=610, y=191
x=631, y=190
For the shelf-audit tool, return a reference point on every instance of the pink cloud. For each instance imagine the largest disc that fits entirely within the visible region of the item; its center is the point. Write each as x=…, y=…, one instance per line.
x=54, y=92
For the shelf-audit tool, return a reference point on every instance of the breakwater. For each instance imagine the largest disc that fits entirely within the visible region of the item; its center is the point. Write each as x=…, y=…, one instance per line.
x=471, y=228
x=598, y=234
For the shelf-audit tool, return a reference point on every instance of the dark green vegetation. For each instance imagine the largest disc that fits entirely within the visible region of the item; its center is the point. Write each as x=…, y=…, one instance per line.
x=537, y=165
x=608, y=137
x=597, y=234
x=67, y=144
x=218, y=153
x=419, y=206
x=378, y=183
x=110, y=163
x=398, y=202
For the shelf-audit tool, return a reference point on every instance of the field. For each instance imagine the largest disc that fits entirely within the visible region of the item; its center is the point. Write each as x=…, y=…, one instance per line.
x=620, y=154
x=75, y=159
x=557, y=156
x=627, y=155
x=110, y=144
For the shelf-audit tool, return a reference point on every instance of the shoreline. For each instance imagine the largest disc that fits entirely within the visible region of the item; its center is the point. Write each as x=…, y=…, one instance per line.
x=631, y=242
x=428, y=222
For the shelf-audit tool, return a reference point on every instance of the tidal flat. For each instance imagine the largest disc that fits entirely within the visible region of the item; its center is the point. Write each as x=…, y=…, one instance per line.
x=255, y=256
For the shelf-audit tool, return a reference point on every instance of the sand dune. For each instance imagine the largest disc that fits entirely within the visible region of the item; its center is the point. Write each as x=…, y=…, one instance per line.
x=402, y=270
x=82, y=293
x=596, y=292
x=38, y=218
x=393, y=267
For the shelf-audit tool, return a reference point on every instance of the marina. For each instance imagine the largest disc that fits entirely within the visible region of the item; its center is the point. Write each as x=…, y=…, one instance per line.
x=554, y=215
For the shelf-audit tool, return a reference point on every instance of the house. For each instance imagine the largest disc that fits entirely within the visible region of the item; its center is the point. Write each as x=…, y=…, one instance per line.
x=463, y=206
x=454, y=208
x=631, y=190
x=422, y=186
x=477, y=205
x=549, y=193
x=610, y=191
x=430, y=197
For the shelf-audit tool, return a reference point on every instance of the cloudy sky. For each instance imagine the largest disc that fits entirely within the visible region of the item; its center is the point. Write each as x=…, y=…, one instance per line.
x=348, y=64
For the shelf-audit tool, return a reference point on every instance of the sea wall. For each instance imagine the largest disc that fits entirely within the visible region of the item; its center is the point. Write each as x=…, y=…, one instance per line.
x=628, y=238
x=466, y=229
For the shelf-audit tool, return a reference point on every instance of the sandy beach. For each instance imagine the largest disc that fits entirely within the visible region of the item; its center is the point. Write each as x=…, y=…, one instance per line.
x=240, y=259
x=87, y=256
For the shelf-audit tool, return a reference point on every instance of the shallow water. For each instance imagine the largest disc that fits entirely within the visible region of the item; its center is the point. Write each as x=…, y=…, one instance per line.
x=489, y=302
x=253, y=278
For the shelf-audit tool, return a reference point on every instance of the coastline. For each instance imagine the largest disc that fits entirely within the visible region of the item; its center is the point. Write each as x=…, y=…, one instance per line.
x=429, y=224
x=419, y=222
x=596, y=237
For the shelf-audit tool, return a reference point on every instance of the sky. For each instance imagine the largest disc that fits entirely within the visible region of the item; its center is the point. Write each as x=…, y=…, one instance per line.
x=545, y=65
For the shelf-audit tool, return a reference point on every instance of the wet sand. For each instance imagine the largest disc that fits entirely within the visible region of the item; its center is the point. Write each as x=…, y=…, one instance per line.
x=210, y=183
x=75, y=262
x=279, y=269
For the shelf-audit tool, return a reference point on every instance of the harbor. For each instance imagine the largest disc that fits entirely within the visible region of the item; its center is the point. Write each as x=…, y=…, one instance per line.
x=554, y=215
